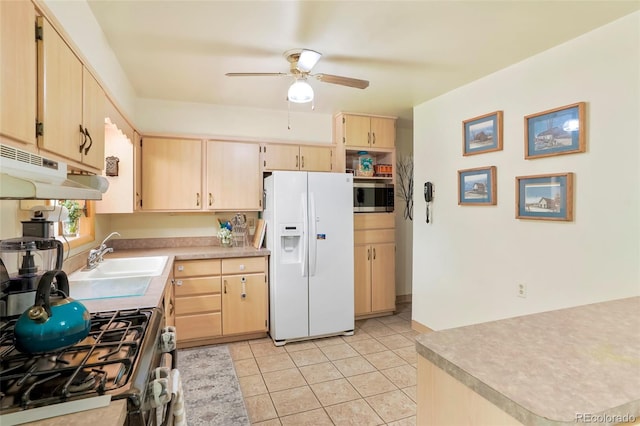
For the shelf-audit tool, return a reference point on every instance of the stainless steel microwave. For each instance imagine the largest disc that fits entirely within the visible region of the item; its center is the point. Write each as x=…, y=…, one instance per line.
x=372, y=197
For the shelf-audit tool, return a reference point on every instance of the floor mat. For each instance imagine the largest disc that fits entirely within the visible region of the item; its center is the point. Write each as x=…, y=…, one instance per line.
x=211, y=388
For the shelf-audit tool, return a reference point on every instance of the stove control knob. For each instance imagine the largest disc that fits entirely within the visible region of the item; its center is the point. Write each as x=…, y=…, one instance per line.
x=168, y=339
x=159, y=392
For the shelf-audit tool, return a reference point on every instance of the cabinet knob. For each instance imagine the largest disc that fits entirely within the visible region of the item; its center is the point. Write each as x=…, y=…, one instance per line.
x=179, y=282
x=374, y=138
x=242, y=267
x=210, y=199
x=198, y=199
x=180, y=268
x=302, y=162
x=374, y=253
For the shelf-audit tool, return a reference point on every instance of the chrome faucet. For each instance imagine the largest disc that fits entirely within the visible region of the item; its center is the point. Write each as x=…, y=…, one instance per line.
x=96, y=255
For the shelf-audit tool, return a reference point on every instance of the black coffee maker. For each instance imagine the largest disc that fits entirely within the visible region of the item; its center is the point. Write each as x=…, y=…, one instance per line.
x=22, y=262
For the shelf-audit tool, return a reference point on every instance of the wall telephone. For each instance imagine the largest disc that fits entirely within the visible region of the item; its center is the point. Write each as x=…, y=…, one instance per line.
x=428, y=192
x=428, y=196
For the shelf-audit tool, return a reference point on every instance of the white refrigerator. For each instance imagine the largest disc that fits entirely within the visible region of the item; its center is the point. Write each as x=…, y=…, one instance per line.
x=309, y=231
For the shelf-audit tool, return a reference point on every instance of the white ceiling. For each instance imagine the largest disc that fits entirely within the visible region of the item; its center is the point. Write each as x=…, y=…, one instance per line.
x=410, y=51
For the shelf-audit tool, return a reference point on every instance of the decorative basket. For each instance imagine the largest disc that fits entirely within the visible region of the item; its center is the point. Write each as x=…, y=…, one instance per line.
x=383, y=170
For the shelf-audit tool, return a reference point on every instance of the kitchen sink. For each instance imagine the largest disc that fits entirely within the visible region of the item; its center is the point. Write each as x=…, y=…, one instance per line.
x=149, y=266
x=105, y=288
x=117, y=277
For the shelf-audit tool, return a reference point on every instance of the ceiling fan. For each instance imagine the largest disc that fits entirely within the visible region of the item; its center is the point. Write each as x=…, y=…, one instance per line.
x=301, y=61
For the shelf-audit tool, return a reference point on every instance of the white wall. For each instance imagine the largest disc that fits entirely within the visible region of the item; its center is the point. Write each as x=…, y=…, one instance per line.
x=157, y=116
x=468, y=261
x=404, y=227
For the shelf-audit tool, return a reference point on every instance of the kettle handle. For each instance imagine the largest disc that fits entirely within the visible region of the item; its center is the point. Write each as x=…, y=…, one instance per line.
x=59, y=253
x=44, y=288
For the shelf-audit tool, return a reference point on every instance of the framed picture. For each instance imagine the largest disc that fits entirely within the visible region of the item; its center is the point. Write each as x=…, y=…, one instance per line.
x=477, y=187
x=555, y=132
x=545, y=197
x=482, y=134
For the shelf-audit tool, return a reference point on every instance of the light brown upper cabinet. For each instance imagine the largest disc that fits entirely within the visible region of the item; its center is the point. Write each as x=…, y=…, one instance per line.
x=233, y=179
x=171, y=174
x=18, y=71
x=366, y=131
x=71, y=103
x=310, y=158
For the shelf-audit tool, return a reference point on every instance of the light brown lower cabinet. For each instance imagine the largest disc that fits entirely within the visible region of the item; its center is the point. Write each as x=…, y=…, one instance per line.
x=219, y=300
x=374, y=264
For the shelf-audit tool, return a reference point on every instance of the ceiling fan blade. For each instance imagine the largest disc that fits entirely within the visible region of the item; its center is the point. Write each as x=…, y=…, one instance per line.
x=307, y=60
x=344, y=81
x=257, y=74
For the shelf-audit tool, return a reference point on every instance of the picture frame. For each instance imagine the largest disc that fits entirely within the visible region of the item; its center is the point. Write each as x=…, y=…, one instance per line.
x=545, y=197
x=477, y=187
x=482, y=134
x=556, y=131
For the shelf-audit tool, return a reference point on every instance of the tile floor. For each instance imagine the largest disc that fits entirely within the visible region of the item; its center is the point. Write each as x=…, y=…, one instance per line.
x=365, y=379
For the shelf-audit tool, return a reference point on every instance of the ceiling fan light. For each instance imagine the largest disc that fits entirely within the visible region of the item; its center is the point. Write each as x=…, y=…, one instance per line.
x=300, y=92
x=308, y=59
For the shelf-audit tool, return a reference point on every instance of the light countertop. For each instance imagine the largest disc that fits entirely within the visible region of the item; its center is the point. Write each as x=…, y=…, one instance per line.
x=544, y=369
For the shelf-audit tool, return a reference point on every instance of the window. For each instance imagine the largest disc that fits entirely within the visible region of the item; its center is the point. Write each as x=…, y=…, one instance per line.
x=80, y=228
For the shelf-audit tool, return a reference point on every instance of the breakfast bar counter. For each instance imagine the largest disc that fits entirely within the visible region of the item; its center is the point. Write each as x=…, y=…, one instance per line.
x=568, y=366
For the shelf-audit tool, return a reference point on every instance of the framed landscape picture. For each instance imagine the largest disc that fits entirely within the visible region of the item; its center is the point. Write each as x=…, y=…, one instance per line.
x=482, y=134
x=555, y=132
x=545, y=197
x=477, y=187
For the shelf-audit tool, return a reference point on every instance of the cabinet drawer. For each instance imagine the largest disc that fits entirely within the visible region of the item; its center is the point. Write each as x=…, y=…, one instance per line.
x=197, y=304
x=373, y=220
x=198, y=326
x=193, y=286
x=194, y=268
x=243, y=265
x=372, y=237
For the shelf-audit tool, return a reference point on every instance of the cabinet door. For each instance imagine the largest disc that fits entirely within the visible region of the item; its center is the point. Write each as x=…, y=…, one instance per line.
x=383, y=132
x=357, y=130
x=362, y=279
x=60, y=101
x=316, y=159
x=281, y=157
x=93, y=113
x=248, y=313
x=383, y=277
x=233, y=176
x=171, y=174
x=18, y=72
x=137, y=172
x=169, y=304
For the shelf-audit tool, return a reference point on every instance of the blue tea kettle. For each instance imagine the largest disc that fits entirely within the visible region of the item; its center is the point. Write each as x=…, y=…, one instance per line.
x=53, y=322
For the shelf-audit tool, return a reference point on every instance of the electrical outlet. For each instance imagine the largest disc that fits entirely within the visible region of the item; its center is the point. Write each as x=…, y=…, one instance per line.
x=522, y=290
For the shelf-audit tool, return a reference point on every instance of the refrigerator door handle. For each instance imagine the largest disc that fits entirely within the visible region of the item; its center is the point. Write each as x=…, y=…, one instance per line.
x=313, y=240
x=305, y=234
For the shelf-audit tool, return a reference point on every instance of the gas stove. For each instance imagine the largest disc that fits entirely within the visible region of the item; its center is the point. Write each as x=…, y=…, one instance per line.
x=116, y=359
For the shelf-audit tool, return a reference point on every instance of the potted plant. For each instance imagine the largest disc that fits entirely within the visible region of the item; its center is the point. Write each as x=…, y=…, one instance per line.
x=70, y=226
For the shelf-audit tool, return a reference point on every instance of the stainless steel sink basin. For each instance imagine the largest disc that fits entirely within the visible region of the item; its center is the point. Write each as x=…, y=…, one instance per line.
x=104, y=288
x=149, y=266
x=117, y=277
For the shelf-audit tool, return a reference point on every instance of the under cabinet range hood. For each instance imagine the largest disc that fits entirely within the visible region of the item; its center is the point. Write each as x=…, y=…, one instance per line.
x=28, y=176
